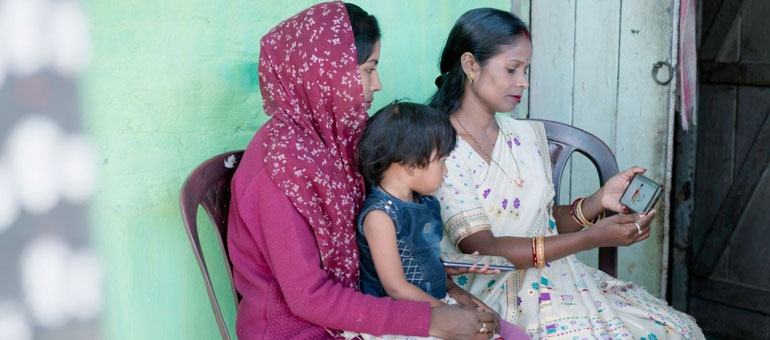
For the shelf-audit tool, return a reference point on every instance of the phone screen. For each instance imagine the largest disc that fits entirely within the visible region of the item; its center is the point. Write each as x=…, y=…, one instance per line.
x=641, y=194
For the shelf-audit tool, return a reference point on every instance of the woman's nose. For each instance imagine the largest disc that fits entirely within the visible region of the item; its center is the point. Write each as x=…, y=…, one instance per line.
x=524, y=82
x=376, y=85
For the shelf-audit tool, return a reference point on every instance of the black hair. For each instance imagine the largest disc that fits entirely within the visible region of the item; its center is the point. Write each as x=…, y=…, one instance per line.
x=481, y=32
x=406, y=133
x=366, y=31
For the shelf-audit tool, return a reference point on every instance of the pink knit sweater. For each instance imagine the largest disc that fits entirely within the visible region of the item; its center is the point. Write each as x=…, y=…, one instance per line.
x=277, y=270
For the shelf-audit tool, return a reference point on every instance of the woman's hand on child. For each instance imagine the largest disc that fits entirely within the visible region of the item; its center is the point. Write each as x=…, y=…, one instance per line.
x=612, y=190
x=622, y=230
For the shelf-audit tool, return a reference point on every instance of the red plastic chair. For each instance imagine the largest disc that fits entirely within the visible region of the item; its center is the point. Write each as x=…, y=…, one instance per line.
x=209, y=185
x=565, y=139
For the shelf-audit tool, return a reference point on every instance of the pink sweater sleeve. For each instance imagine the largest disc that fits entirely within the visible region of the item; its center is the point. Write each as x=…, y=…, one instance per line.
x=310, y=293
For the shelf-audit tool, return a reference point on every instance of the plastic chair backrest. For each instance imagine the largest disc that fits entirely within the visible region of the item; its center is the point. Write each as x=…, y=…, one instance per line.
x=209, y=185
x=565, y=139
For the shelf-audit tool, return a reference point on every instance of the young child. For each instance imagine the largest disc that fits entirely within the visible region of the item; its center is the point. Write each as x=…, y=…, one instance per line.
x=401, y=157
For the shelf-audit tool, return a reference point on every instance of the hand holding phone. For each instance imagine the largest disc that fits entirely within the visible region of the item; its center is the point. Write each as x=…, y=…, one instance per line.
x=468, y=260
x=641, y=194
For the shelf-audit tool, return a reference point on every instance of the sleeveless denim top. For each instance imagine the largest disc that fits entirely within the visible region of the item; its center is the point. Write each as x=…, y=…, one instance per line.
x=418, y=232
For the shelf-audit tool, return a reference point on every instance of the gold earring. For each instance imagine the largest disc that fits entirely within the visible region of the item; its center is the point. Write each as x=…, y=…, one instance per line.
x=470, y=77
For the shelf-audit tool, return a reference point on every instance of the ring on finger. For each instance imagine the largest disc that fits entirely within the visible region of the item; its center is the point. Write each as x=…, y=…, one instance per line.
x=638, y=228
x=484, y=328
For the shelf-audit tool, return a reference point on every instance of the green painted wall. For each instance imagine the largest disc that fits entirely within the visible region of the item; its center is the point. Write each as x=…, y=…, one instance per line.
x=173, y=83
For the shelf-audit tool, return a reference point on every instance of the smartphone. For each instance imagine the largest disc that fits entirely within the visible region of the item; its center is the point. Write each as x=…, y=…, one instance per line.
x=642, y=194
x=467, y=260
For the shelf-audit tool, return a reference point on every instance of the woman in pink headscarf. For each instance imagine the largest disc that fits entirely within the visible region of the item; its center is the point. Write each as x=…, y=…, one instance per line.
x=296, y=193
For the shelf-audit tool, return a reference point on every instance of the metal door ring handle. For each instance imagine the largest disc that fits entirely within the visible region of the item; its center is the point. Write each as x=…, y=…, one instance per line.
x=656, y=67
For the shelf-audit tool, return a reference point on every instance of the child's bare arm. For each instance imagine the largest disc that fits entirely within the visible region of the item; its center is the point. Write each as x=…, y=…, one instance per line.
x=380, y=233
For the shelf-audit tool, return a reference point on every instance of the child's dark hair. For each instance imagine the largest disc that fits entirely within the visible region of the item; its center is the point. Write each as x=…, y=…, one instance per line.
x=406, y=133
x=366, y=31
x=481, y=32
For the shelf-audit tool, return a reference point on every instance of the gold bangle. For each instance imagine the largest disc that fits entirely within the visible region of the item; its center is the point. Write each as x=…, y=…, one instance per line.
x=585, y=221
x=579, y=212
x=540, y=251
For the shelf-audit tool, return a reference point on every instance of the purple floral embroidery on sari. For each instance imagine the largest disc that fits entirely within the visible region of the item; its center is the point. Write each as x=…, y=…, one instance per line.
x=505, y=203
x=516, y=203
x=486, y=192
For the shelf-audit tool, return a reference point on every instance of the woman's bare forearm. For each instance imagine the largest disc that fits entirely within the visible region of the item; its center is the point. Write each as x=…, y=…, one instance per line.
x=518, y=250
x=565, y=224
x=592, y=208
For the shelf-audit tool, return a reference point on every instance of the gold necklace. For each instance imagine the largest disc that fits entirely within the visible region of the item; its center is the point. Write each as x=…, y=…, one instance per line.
x=518, y=181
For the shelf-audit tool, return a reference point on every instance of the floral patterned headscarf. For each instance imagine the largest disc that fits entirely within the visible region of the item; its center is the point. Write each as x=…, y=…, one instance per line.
x=310, y=84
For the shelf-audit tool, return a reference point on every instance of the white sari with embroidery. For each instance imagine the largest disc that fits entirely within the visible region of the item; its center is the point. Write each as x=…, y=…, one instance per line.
x=566, y=299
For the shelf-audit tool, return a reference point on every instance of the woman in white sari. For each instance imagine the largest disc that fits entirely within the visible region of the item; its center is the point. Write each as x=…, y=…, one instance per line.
x=497, y=198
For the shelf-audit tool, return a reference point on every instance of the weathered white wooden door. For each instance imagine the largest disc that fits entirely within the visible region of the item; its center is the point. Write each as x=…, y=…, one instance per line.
x=592, y=68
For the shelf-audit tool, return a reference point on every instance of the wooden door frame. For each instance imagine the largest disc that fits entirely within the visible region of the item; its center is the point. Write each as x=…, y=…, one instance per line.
x=716, y=38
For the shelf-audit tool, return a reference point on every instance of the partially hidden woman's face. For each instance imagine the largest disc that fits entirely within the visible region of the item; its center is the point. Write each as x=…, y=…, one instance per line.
x=500, y=83
x=369, y=77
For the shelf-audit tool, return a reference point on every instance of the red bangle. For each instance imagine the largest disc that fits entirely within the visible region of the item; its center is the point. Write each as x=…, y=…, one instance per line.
x=572, y=211
x=534, y=253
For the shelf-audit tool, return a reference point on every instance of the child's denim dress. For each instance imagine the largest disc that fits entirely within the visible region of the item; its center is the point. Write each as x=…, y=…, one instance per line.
x=418, y=232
